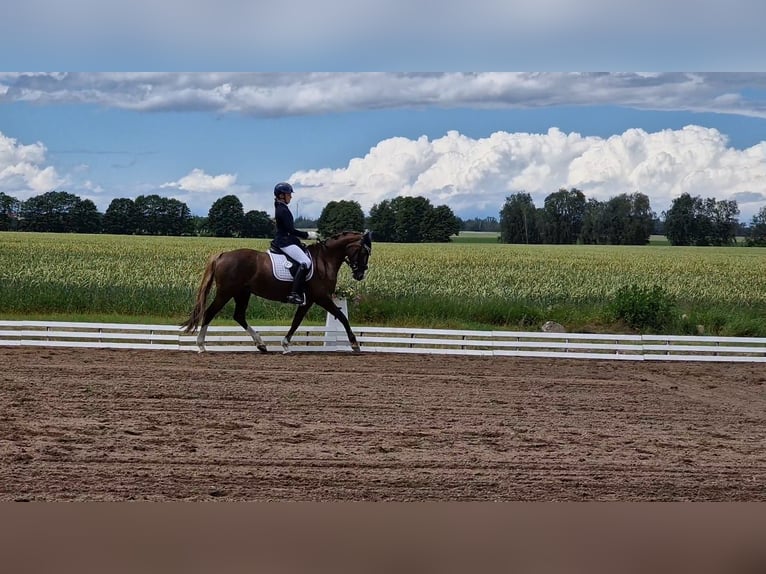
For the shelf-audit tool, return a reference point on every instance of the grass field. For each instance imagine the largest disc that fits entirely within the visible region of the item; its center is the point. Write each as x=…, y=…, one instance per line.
x=476, y=237
x=468, y=284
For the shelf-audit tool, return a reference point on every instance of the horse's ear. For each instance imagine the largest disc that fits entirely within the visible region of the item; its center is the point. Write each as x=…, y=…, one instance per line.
x=367, y=238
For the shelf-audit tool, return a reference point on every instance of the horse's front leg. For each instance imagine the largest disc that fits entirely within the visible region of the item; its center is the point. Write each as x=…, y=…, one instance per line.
x=330, y=306
x=300, y=313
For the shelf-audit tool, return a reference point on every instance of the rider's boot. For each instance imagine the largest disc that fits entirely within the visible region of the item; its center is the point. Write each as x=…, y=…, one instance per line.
x=297, y=296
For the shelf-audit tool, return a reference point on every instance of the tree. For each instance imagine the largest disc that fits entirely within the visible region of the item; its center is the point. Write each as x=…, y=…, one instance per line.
x=257, y=224
x=49, y=212
x=440, y=224
x=163, y=216
x=121, y=217
x=518, y=220
x=338, y=216
x=757, y=237
x=225, y=217
x=198, y=226
x=615, y=219
x=177, y=218
x=9, y=212
x=681, y=221
x=382, y=221
x=640, y=220
x=85, y=217
x=563, y=214
x=149, y=209
x=594, y=227
x=724, y=216
x=628, y=219
x=410, y=217
x=692, y=221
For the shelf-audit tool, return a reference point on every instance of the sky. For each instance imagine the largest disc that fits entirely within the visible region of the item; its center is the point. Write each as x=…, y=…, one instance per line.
x=460, y=138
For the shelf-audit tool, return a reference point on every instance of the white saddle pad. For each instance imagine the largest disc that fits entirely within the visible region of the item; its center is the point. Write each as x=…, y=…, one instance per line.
x=281, y=266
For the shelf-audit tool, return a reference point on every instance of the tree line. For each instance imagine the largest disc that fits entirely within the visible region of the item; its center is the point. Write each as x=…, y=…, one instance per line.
x=565, y=217
x=59, y=211
x=403, y=219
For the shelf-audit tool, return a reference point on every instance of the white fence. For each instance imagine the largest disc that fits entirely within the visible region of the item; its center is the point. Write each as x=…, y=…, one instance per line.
x=391, y=340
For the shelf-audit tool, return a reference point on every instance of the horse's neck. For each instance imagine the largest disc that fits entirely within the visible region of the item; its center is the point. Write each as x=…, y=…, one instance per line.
x=335, y=248
x=332, y=257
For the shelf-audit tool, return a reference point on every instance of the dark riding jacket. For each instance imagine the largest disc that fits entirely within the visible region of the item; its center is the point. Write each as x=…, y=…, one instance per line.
x=286, y=232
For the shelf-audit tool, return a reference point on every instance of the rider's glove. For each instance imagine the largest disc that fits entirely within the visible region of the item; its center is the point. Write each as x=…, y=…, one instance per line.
x=313, y=235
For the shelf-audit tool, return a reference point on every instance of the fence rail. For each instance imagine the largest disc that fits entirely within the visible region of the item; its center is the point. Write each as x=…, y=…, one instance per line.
x=391, y=340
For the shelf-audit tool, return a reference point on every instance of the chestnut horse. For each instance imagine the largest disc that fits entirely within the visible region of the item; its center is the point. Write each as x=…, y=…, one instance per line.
x=242, y=272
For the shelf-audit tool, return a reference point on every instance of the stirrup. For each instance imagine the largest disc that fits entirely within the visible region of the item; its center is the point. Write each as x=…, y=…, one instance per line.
x=296, y=299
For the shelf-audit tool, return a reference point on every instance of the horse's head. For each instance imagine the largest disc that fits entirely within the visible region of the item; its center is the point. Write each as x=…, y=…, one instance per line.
x=357, y=255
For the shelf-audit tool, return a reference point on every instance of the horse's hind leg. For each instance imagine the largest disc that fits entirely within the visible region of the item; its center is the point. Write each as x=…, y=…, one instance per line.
x=211, y=311
x=300, y=313
x=241, y=300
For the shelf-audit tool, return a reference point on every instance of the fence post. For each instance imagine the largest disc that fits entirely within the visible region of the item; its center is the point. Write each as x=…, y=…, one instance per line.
x=333, y=329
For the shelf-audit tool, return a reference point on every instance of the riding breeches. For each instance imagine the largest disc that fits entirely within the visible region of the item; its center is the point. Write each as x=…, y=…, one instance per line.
x=298, y=254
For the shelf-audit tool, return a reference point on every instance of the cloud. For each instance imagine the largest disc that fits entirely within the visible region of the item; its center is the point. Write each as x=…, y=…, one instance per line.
x=199, y=190
x=474, y=176
x=23, y=172
x=197, y=181
x=396, y=34
x=294, y=94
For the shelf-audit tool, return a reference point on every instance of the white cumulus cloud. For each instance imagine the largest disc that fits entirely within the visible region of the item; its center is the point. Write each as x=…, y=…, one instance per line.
x=197, y=181
x=475, y=176
x=23, y=169
x=198, y=190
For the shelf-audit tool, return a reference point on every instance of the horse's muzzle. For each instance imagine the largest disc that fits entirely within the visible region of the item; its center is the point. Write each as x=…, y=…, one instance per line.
x=358, y=274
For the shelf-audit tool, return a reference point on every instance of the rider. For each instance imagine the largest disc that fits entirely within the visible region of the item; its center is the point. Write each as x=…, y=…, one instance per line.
x=288, y=240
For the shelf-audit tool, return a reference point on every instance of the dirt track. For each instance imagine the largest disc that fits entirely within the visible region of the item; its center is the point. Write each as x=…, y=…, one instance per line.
x=156, y=425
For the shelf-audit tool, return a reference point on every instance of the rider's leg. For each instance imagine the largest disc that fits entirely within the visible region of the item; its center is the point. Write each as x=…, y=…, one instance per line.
x=304, y=263
x=296, y=294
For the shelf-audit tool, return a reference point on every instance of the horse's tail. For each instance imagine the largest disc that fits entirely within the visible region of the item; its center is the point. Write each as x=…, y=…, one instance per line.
x=198, y=313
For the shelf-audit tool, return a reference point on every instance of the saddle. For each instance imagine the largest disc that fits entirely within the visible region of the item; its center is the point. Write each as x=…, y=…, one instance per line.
x=285, y=267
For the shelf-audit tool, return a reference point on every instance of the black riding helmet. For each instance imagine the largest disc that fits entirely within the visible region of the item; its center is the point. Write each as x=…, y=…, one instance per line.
x=282, y=187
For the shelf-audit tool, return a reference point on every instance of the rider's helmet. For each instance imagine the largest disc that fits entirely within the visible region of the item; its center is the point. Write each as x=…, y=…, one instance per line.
x=282, y=187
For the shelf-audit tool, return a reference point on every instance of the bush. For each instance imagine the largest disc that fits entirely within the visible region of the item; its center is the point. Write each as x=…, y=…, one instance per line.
x=643, y=307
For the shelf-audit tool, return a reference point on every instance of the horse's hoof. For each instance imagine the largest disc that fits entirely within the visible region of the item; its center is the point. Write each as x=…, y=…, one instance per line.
x=356, y=348
x=263, y=349
x=201, y=350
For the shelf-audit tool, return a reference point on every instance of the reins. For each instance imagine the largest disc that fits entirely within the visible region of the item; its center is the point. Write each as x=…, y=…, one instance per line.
x=346, y=259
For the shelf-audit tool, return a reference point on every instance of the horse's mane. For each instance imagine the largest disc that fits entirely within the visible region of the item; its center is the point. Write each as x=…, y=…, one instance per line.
x=339, y=236
x=342, y=234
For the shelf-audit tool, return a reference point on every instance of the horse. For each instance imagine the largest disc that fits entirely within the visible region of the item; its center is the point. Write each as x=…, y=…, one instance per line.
x=244, y=272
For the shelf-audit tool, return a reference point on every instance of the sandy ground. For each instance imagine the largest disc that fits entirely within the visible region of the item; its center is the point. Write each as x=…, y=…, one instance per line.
x=166, y=425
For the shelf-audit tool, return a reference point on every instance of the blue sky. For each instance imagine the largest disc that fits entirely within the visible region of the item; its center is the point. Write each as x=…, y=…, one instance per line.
x=465, y=139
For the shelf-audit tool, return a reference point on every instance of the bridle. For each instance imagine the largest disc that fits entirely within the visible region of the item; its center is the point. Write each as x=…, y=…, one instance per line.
x=355, y=266
x=363, y=252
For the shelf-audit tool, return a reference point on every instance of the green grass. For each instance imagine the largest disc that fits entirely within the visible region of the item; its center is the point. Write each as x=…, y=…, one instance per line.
x=476, y=237
x=478, y=284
